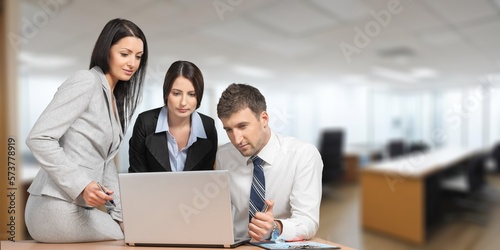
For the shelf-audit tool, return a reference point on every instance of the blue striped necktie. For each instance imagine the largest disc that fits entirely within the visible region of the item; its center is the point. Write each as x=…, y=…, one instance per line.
x=258, y=190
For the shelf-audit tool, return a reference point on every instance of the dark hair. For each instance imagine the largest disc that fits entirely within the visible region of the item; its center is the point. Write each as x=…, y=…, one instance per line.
x=188, y=70
x=127, y=93
x=239, y=96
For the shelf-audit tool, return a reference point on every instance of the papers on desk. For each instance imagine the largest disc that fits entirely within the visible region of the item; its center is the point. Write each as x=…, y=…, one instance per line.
x=294, y=245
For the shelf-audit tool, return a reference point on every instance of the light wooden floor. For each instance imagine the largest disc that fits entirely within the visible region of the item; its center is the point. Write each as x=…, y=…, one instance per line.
x=340, y=222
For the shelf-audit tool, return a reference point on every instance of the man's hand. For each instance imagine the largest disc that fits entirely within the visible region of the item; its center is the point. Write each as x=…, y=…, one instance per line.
x=262, y=223
x=94, y=196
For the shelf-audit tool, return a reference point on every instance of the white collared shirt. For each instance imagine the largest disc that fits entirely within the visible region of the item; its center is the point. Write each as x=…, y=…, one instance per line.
x=293, y=171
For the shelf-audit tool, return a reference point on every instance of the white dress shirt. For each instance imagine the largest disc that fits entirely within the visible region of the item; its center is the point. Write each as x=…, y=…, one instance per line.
x=292, y=170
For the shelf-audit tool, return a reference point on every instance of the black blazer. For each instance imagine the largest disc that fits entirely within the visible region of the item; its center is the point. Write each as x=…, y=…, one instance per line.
x=148, y=150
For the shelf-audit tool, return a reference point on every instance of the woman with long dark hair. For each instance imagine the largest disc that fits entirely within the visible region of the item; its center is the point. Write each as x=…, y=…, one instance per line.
x=175, y=137
x=76, y=138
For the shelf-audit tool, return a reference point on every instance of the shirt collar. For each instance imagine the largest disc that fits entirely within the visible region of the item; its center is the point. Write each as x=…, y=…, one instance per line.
x=197, y=129
x=267, y=153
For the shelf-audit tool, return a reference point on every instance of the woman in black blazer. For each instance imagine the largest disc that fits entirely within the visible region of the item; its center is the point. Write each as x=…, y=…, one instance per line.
x=175, y=137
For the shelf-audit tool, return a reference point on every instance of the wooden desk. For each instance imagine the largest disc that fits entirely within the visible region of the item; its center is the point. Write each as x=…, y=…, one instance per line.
x=112, y=245
x=351, y=163
x=393, y=199
x=357, y=155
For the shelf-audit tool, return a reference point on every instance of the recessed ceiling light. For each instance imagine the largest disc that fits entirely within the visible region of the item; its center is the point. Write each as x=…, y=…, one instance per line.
x=423, y=73
x=393, y=74
x=396, y=52
x=400, y=55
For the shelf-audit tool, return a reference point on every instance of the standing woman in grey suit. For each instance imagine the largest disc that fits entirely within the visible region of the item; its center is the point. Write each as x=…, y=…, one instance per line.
x=175, y=137
x=76, y=138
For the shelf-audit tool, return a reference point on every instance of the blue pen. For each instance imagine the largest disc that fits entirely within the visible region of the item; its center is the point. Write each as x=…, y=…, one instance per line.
x=111, y=201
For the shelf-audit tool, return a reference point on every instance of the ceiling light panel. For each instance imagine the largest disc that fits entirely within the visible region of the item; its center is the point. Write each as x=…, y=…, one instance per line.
x=347, y=10
x=461, y=11
x=244, y=34
x=292, y=18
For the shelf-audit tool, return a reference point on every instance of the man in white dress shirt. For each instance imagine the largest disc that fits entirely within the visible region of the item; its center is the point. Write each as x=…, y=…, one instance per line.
x=292, y=170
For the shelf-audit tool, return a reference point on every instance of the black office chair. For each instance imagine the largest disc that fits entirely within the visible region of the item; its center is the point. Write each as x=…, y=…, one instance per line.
x=462, y=190
x=396, y=148
x=495, y=156
x=331, y=146
x=421, y=147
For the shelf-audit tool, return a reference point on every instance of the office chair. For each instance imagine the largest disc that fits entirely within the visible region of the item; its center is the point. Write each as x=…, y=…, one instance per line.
x=331, y=146
x=396, y=148
x=418, y=147
x=462, y=190
x=495, y=155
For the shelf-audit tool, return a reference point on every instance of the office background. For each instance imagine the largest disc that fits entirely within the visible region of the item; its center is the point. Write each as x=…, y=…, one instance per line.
x=419, y=70
x=380, y=70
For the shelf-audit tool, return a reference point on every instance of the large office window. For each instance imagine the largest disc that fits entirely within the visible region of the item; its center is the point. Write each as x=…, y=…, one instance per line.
x=305, y=113
x=413, y=116
x=447, y=130
x=387, y=117
x=494, y=116
x=427, y=101
x=473, y=109
x=402, y=115
x=35, y=93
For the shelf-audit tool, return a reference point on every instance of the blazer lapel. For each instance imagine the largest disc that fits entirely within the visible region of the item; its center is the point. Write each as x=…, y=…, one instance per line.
x=157, y=145
x=196, y=152
x=114, y=121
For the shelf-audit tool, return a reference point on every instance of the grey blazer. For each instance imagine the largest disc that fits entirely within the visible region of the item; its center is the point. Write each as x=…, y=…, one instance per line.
x=75, y=140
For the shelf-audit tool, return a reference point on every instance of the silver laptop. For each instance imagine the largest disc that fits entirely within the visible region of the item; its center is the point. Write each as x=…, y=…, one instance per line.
x=191, y=209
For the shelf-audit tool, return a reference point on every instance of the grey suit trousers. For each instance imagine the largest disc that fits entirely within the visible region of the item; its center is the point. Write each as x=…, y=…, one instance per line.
x=51, y=219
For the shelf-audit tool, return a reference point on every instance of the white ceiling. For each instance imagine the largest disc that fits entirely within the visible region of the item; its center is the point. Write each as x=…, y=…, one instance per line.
x=425, y=43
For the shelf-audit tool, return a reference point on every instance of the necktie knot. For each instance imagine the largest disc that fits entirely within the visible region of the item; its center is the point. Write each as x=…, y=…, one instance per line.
x=257, y=161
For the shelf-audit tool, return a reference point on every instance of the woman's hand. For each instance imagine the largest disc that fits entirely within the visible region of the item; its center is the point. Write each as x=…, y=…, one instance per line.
x=94, y=196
